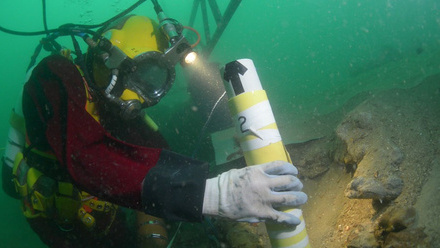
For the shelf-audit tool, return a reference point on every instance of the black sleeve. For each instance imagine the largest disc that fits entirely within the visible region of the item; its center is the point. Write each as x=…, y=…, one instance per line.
x=175, y=187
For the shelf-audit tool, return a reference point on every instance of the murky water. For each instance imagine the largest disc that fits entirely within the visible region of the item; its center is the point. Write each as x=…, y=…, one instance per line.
x=311, y=56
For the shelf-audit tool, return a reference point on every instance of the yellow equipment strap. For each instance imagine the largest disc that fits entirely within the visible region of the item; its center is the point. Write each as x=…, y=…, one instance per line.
x=65, y=188
x=96, y=204
x=150, y=122
x=21, y=189
x=32, y=176
x=42, y=153
x=20, y=173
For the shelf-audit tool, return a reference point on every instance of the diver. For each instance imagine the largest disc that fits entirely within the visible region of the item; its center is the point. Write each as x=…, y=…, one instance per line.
x=81, y=147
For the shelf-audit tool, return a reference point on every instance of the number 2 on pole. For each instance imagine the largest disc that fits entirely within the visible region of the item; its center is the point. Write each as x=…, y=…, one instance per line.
x=242, y=121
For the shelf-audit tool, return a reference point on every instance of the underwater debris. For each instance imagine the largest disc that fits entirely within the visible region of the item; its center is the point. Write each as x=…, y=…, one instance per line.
x=315, y=156
x=388, y=140
x=371, y=188
x=362, y=237
x=243, y=234
x=396, y=228
x=377, y=157
x=395, y=220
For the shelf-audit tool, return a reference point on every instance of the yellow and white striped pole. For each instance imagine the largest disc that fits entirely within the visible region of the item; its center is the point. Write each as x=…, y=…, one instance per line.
x=259, y=137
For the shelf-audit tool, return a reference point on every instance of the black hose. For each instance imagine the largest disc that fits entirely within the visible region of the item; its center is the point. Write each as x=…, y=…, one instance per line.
x=71, y=25
x=123, y=13
x=80, y=59
x=157, y=7
x=44, y=16
x=21, y=33
x=34, y=56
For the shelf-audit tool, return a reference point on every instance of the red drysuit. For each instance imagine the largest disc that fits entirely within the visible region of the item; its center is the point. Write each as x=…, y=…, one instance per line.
x=121, y=161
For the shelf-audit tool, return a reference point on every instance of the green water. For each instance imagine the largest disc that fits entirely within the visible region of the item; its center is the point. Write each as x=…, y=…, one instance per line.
x=311, y=56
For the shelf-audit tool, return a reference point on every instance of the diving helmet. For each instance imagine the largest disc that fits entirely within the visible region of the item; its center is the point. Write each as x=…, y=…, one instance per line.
x=130, y=64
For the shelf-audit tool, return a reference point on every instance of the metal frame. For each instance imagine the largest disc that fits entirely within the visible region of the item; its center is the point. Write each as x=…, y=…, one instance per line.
x=222, y=21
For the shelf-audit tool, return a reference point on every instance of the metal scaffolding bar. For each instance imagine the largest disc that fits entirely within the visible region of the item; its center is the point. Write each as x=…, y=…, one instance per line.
x=205, y=22
x=215, y=11
x=192, y=18
x=222, y=21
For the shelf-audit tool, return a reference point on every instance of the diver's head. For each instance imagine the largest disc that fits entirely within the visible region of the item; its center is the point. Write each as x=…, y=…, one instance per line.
x=129, y=64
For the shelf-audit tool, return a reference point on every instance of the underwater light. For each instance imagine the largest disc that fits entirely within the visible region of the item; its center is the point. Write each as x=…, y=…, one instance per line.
x=190, y=58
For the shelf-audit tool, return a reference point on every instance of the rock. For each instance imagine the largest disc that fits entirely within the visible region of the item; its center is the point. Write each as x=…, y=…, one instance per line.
x=243, y=234
x=371, y=188
x=395, y=220
x=312, y=158
x=371, y=154
x=408, y=238
x=396, y=228
x=362, y=237
x=352, y=131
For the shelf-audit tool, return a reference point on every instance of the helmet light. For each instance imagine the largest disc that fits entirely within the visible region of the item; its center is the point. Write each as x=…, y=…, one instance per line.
x=190, y=58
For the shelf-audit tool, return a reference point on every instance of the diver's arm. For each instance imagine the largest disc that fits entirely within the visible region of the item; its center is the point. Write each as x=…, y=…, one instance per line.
x=156, y=181
x=174, y=187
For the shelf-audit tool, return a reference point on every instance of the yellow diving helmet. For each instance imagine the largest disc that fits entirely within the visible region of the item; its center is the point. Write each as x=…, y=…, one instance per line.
x=133, y=65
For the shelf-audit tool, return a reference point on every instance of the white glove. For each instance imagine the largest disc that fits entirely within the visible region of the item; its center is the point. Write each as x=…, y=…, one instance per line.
x=252, y=193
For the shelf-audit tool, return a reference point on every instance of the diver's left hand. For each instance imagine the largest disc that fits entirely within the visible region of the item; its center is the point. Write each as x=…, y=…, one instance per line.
x=253, y=193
